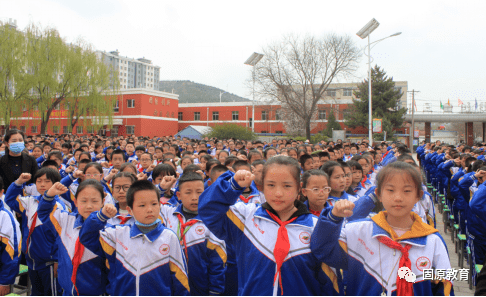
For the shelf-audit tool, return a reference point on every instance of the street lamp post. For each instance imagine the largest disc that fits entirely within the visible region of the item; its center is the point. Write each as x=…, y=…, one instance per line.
x=221, y=94
x=252, y=61
x=363, y=33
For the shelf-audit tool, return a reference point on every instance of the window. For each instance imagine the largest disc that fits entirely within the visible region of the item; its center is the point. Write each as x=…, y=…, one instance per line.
x=130, y=103
x=264, y=115
x=55, y=129
x=331, y=93
x=322, y=114
x=250, y=121
x=22, y=128
x=398, y=89
x=346, y=113
x=79, y=129
x=116, y=109
x=179, y=116
x=215, y=115
x=66, y=130
x=168, y=102
x=130, y=129
x=263, y=131
x=235, y=116
x=281, y=132
x=197, y=116
x=90, y=129
x=277, y=115
x=33, y=129
x=348, y=92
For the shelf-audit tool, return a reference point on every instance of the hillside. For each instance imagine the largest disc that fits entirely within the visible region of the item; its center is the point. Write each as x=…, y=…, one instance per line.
x=191, y=92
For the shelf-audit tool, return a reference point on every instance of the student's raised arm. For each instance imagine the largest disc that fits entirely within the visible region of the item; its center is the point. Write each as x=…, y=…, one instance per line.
x=90, y=236
x=216, y=205
x=14, y=190
x=48, y=211
x=328, y=241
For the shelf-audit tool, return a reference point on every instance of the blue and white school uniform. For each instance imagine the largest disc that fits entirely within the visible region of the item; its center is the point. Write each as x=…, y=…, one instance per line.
x=10, y=241
x=252, y=231
x=140, y=263
x=205, y=253
x=371, y=267
x=91, y=271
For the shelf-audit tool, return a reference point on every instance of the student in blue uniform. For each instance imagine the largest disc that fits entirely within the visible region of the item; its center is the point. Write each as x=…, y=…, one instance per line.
x=205, y=253
x=371, y=251
x=271, y=240
x=80, y=271
x=10, y=240
x=144, y=258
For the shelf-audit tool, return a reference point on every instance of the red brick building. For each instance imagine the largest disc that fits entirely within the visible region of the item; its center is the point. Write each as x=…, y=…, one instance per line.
x=153, y=113
x=137, y=111
x=267, y=117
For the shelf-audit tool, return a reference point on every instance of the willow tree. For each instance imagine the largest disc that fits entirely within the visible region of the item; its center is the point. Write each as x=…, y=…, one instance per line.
x=298, y=70
x=15, y=79
x=94, y=91
x=63, y=71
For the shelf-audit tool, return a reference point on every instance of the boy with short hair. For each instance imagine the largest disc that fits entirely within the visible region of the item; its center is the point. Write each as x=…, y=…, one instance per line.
x=38, y=242
x=118, y=157
x=145, y=258
x=205, y=253
x=130, y=150
x=250, y=194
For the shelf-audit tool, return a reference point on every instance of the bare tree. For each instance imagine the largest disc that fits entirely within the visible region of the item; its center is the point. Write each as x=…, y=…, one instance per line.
x=298, y=70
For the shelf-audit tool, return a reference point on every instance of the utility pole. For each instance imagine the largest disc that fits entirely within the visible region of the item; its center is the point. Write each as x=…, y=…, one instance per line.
x=412, y=128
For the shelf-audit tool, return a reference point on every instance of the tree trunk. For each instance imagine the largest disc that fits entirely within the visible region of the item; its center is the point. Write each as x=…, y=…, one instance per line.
x=43, y=126
x=307, y=129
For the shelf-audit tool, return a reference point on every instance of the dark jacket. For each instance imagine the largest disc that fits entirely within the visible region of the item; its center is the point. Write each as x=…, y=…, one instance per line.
x=29, y=165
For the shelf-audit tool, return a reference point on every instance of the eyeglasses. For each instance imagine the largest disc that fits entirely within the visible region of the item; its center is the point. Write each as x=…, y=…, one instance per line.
x=348, y=175
x=316, y=191
x=118, y=188
x=92, y=175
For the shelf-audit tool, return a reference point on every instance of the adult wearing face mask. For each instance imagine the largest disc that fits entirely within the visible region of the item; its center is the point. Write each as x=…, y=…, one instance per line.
x=16, y=159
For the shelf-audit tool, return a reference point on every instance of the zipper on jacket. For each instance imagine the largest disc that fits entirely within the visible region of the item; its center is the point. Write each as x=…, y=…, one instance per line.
x=137, y=279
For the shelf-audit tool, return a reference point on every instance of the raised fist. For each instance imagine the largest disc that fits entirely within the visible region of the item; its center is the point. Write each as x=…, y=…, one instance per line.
x=69, y=169
x=167, y=182
x=78, y=174
x=244, y=178
x=141, y=176
x=109, y=210
x=23, y=178
x=56, y=190
x=343, y=208
x=150, y=168
x=105, y=164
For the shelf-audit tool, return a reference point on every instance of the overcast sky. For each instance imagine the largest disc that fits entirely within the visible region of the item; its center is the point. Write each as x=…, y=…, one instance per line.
x=441, y=51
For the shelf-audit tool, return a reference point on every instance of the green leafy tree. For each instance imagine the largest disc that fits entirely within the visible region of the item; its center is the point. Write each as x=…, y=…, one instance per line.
x=62, y=73
x=385, y=102
x=332, y=124
x=227, y=131
x=15, y=79
x=93, y=95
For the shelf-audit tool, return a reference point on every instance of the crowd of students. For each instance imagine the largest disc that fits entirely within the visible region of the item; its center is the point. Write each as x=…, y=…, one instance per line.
x=168, y=216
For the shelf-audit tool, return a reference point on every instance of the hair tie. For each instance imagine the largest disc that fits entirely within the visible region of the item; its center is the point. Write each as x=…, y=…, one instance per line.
x=171, y=160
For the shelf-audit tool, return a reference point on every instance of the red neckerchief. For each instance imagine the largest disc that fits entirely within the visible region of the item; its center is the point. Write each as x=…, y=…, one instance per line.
x=404, y=288
x=123, y=220
x=246, y=200
x=363, y=181
x=315, y=212
x=78, y=254
x=384, y=155
x=32, y=227
x=183, y=235
x=282, y=246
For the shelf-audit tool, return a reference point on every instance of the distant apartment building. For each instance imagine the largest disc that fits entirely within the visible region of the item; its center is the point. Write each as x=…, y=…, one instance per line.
x=132, y=73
